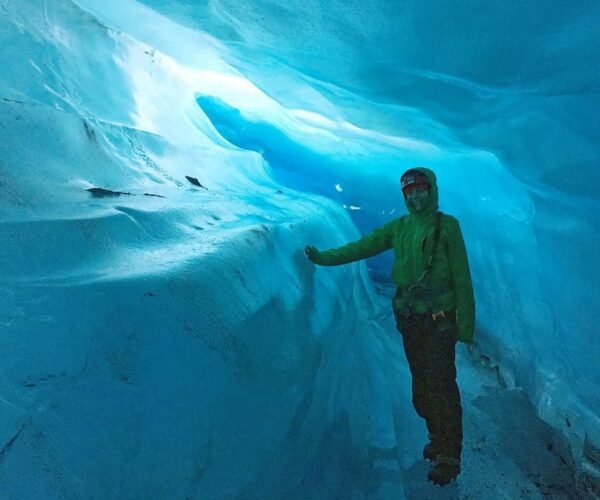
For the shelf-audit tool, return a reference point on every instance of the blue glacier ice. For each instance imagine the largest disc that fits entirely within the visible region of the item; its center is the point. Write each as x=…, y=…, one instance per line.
x=165, y=339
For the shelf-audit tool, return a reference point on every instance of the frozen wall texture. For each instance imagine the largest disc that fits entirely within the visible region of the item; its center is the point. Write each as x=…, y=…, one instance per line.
x=165, y=337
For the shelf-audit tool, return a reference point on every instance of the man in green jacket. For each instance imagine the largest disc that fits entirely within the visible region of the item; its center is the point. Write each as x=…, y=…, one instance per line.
x=433, y=306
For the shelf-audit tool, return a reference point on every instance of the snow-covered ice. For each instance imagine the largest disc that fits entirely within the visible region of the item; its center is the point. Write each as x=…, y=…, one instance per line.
x=164, y=336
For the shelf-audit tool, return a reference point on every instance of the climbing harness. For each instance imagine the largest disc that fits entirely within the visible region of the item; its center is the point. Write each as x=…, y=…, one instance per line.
x=420, y=288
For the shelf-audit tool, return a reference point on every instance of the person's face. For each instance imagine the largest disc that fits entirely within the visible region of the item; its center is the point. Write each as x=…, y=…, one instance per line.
x=418, y=197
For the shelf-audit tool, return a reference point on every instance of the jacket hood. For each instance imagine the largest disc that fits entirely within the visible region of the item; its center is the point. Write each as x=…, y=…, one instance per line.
x=432, y=204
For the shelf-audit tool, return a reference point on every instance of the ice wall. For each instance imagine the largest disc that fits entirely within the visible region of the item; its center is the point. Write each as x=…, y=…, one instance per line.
x=507, y=94
x=163, y=339
x=272, y=107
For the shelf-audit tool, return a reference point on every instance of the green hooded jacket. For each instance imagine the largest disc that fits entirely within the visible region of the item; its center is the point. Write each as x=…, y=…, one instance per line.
x=449, y=285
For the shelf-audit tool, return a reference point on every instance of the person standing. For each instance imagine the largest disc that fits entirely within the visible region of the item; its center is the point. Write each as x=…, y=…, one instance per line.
x=434, y=307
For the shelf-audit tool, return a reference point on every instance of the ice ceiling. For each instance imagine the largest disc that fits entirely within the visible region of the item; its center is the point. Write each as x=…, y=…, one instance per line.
x=296, y=118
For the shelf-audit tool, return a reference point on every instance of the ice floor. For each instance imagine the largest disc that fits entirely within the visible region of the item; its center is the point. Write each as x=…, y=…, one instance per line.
x=508, y=451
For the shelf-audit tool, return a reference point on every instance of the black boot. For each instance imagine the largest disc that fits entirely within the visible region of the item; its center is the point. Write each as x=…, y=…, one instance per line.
x=444, y=471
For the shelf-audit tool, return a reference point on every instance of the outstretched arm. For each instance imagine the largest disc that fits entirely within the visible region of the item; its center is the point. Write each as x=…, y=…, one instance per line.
x=368, y=246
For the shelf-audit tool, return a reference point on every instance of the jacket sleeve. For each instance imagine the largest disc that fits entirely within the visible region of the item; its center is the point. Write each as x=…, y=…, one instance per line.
x=461, y=278
x=368, y=246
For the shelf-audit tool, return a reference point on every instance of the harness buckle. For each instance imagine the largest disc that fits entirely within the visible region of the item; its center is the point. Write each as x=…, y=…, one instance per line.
x=437, y=315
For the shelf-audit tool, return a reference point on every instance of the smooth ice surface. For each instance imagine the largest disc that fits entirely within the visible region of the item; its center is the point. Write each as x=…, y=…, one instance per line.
x=172, y=341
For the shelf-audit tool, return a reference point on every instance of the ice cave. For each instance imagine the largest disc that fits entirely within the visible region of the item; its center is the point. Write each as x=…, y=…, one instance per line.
x=164, y=164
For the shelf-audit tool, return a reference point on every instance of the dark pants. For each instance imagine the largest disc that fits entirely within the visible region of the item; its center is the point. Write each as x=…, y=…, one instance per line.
x=429, y=347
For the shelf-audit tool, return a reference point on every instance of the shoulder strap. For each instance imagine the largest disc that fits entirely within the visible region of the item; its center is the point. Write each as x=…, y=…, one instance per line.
x=436, y=238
